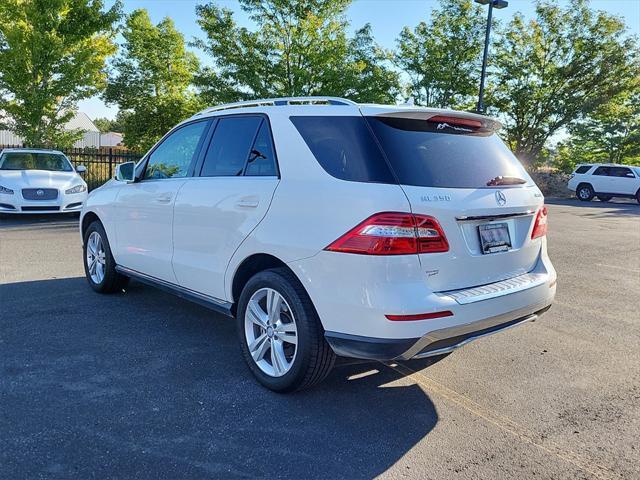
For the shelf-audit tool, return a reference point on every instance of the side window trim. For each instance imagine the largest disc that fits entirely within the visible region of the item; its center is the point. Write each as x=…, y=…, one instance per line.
x=253, y=144
x=197, y=168
x=209, y=137
x=196, y=155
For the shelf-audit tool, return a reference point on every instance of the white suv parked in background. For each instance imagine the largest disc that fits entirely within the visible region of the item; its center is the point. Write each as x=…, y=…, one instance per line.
x=330, y=228
x=605, y=181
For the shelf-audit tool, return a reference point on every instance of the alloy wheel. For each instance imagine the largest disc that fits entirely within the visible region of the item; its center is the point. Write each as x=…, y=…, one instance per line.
x=96, y=258
x=271, y=332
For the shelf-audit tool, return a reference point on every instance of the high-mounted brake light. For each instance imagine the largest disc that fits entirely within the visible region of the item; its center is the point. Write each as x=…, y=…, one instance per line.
x=540, y=225
x=393, y=233
x=457, y=121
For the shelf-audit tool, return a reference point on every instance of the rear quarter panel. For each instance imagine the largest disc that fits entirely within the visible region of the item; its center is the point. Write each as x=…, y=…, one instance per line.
x=310, y=208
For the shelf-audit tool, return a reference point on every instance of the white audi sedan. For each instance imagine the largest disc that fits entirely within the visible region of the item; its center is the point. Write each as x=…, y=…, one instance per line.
x=39, y=181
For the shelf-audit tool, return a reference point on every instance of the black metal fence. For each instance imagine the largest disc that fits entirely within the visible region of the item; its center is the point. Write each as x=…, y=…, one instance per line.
x=99, y=162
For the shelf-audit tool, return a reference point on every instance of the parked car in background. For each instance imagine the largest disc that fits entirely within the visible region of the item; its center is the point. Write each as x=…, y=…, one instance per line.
x=330, y=228
x=39, y=181
x=605, y=181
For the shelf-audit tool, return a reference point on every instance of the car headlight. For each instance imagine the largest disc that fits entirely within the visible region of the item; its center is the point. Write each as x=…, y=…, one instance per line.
x=5, y=190
x=77, y=189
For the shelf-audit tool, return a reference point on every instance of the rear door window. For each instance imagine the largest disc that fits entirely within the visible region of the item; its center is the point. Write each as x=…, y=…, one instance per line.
x=230, y=146
x=429, y=154
x=603, y=172
x=344, y=147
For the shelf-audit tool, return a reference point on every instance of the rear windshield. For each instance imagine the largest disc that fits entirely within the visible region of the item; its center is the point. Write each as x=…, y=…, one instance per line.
x=35, y=161
x=430, y=154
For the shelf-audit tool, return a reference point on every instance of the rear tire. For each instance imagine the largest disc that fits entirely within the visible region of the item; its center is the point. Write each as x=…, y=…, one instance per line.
x=584, y=192
x=285, y=349
x=99, y=264
x=604, y=198
x=638, y=196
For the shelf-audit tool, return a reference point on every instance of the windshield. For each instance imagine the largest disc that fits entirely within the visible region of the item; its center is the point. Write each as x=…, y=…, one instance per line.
x=54, y=162
x=429, y=154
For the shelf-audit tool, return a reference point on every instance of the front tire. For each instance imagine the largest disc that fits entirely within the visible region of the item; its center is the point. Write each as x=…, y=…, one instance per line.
x=281, y=337
x=638, y=196
x=99, y=264
x=584, y=192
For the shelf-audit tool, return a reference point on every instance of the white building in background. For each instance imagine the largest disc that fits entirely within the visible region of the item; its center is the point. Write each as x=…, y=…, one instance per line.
x=111, y=139
x=90, y=137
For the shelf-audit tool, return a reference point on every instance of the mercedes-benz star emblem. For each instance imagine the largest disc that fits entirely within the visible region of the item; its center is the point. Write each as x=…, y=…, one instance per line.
x=39, y=193
x=500, y=198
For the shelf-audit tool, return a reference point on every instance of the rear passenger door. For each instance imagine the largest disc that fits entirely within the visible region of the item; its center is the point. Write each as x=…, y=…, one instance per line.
x=226, y=199
x=601, y=180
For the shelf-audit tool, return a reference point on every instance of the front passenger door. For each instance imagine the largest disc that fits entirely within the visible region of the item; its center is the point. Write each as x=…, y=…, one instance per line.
x=625, y=180
x=145, y=208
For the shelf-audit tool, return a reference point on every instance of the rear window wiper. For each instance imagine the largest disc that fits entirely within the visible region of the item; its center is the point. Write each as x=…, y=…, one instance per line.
x=500, y=180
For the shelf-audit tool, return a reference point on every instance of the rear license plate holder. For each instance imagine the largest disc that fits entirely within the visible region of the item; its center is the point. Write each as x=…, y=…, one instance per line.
x=494, y=237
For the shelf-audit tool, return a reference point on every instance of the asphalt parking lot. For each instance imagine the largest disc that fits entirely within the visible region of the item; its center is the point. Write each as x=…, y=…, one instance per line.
x=146, y=385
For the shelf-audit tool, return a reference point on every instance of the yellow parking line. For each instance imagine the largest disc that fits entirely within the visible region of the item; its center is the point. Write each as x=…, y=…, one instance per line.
x=506, y=424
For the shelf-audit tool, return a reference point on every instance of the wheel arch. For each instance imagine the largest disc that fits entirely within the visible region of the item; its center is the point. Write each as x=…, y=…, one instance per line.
x=87, y=220
x=250, y=266
x=584, y=184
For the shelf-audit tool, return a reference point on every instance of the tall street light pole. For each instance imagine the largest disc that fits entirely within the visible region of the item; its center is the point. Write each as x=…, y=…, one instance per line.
x=499, y=4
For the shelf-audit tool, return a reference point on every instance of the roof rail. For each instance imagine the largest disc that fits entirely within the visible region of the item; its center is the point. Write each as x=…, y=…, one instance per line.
x=279, y=102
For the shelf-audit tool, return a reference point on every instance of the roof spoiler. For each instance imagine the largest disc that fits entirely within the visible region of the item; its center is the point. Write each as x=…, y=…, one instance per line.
x=472, y=121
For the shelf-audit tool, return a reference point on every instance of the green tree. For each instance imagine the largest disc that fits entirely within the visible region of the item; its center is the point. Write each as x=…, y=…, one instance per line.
x=610, y=134
x=151, y=78
x=442, y=57
x=299, y=47
x=107, y=125
x=556, y=69
x=52, y=54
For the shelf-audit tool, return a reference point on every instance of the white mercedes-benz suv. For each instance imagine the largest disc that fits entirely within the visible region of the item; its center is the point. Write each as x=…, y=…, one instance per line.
x=328, y=228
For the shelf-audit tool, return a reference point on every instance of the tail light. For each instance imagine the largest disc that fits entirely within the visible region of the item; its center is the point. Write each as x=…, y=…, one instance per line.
x=393, y=233
x=540, y=225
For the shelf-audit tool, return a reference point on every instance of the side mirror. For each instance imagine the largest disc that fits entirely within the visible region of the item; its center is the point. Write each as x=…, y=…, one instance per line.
x=81, y=169
x=126, y=172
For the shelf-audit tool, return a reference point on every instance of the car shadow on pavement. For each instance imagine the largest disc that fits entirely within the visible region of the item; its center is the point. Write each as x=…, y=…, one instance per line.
x=145, y=385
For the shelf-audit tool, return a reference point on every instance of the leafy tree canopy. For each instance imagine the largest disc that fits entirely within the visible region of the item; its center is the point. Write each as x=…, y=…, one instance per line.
x=611, y=134
x=106, y=125
x=556, y=69
x=52, y=54
x=299, y=47
x=151, y=78
x=442, y=57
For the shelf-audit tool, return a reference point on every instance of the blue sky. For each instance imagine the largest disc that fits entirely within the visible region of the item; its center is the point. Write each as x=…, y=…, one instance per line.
x=387, y=18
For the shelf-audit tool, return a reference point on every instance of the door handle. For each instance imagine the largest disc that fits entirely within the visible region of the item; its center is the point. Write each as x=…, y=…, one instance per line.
x=250, y=202
x=166, y=198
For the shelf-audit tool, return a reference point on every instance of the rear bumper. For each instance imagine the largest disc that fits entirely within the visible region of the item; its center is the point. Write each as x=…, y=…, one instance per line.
x=434, y=343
